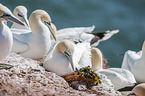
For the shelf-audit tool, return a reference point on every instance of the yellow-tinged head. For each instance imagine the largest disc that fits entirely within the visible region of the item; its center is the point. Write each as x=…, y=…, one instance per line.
x=65, y=45
x=20, y=12
x=39, y=17
x=97, y=59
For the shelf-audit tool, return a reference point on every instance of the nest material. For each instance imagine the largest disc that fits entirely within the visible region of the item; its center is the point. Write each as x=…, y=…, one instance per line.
x=84, y=76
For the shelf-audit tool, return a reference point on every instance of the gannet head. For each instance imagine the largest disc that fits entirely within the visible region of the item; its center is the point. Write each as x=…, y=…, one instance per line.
x=54, y=30
x=97, y=59
x=139, y=90
x=41, y=16
x=21, y=13
x=66, y=48
x=6, y=14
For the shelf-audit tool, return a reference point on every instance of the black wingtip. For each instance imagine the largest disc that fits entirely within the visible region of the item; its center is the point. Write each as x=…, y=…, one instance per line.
x=128, y=88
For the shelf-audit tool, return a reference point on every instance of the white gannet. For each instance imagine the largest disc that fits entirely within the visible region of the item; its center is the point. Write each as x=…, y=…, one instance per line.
x=80, y=34
x=135, y=63
x=119, y=77
x=21, y=13
x=138, y=90
x=35, y=44
x=66, y=57
x=6, y=39
x=60, y=59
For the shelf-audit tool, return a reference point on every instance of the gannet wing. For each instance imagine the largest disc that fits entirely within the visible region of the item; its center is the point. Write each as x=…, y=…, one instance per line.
x=78, y=51
x=76, y=34
x=49, y=55
x=109, y=34
x=82, y=54
x=102, y=36
x=19, y=31
x=76, y=30
x=85, y=59
x=124, y=73
x=20, y=42
x=129, y=58
x=116, y=78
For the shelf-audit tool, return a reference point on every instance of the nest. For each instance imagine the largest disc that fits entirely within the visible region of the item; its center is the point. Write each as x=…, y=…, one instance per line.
x=83, y=76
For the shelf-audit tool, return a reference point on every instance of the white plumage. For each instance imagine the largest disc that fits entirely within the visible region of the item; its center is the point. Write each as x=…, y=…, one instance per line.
x=35, y=44
x=6, y=39
x=135, y=62
x=21, y=13
x=80, y=34
x=57, y=61
x=119, y=77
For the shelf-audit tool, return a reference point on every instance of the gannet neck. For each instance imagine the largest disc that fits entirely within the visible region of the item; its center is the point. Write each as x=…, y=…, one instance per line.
x=97, y=59
x=54, y=28
x=37, y=19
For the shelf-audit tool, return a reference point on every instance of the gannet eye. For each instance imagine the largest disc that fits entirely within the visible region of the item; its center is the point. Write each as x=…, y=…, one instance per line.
x=66, y=53
x=20, y=15
x=48, y=23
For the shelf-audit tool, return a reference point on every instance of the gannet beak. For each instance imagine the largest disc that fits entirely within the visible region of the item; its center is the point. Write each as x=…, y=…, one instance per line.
x=13, y=19
x=25, y=20
x=70, y=58
x=50, y=28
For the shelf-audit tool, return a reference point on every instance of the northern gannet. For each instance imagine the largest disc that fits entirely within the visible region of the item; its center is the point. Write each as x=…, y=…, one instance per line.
x=6, y=38
x=21, y=13
x=35, y=44
x=66, y=56
x=119, y=77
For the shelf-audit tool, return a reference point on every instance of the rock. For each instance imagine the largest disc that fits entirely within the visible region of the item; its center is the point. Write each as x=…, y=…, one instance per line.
x=27, y=77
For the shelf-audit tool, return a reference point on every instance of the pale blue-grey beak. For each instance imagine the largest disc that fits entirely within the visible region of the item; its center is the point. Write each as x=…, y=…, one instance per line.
x=70, y=58
x=48, y=24
x=13, y=19
x=26, y=22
